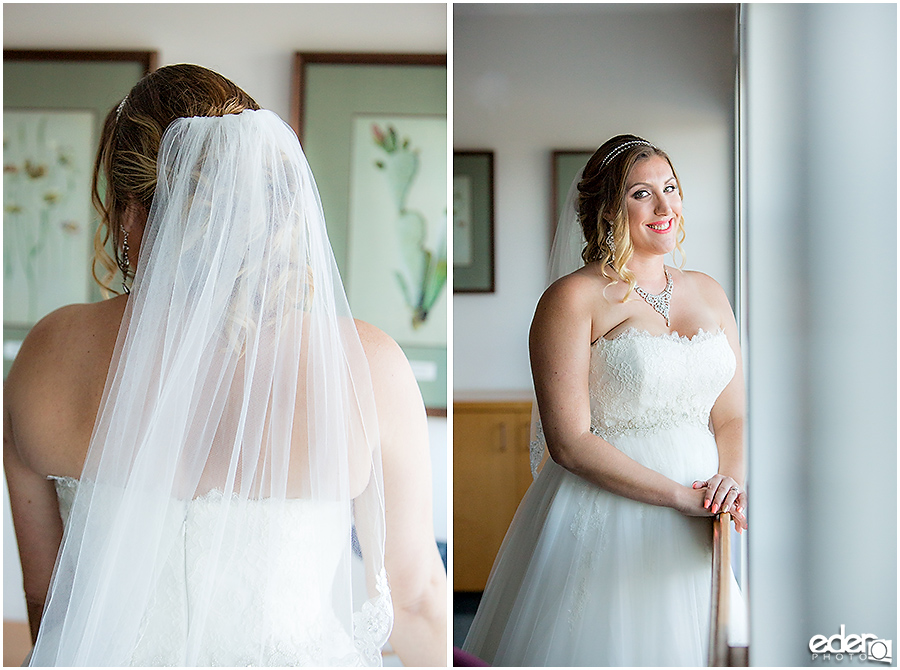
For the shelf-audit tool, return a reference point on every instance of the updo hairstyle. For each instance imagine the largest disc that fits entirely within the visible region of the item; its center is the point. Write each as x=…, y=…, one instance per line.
x=601, y=205
x=129, y=144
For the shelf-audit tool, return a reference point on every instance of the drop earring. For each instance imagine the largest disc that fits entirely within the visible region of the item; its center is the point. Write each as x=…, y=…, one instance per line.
x=610, y=242
x=123, y=261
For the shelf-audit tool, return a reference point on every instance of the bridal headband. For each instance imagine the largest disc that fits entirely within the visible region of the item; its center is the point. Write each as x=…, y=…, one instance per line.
x=619, y=149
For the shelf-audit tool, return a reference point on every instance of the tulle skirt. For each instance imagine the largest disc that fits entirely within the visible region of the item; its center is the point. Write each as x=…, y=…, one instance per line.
x=588, y=578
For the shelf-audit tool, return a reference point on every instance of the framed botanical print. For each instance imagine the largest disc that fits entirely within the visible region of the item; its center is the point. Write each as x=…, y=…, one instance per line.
x=374, y=129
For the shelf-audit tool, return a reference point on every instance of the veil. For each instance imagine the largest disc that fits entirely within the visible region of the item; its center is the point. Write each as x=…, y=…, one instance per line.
x=565, y=258
x=235, y=466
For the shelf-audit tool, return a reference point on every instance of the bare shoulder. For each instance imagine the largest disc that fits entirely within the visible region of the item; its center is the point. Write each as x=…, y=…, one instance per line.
x=54, y=386
x=392, y=376
x=384, y=355
x=701, y=280
x=81, y=318
x=48, y=340
x=574, y=297
x=706, y=286
x=711, y=293
x=51, y=329
x=373, y=336
x=70, y=330
x=401, y=411
x=578, y=306
x=575, y=290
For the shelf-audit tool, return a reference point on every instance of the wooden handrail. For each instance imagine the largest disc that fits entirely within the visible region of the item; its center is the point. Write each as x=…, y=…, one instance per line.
x=721, y=559
x=720, y=653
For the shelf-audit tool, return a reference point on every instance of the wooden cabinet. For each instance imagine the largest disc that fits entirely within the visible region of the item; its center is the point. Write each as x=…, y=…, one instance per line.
x=491, y=473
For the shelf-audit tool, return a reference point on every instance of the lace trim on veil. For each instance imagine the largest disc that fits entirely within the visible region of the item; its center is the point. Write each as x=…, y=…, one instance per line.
x=373, y=623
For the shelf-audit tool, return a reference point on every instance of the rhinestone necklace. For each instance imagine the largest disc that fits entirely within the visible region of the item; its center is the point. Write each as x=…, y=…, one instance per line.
x=660, y=301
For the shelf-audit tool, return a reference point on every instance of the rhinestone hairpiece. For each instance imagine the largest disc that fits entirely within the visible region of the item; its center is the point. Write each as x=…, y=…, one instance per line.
x=119, y=108
x=619, y=149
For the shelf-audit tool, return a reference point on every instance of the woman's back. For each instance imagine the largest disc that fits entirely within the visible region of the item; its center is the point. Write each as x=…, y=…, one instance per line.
x=55, y=390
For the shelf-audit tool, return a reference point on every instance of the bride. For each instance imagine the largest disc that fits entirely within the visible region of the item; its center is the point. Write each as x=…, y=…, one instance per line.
x=219, y=466
x=638, y=382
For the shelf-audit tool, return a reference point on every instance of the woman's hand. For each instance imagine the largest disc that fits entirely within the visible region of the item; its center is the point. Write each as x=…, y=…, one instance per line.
x=721, y=493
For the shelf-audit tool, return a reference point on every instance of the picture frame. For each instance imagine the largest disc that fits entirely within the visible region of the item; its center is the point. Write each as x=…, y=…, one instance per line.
x=473, y=221
x=564, y=165
x=353, y=111
x=54, y=98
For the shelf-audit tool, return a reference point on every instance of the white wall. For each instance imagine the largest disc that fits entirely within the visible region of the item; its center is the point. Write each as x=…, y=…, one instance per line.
x=821, y=151
x=534, y=78
x=253, y=45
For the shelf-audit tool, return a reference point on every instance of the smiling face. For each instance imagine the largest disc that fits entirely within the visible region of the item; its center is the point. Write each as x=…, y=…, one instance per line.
x=653, y=204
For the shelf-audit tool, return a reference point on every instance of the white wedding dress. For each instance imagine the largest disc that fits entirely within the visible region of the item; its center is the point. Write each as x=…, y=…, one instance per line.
x=588, y=578
x=281, y=592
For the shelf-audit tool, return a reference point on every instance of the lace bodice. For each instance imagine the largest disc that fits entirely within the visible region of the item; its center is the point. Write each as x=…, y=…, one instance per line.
x=643, y=383
x=306, y=631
